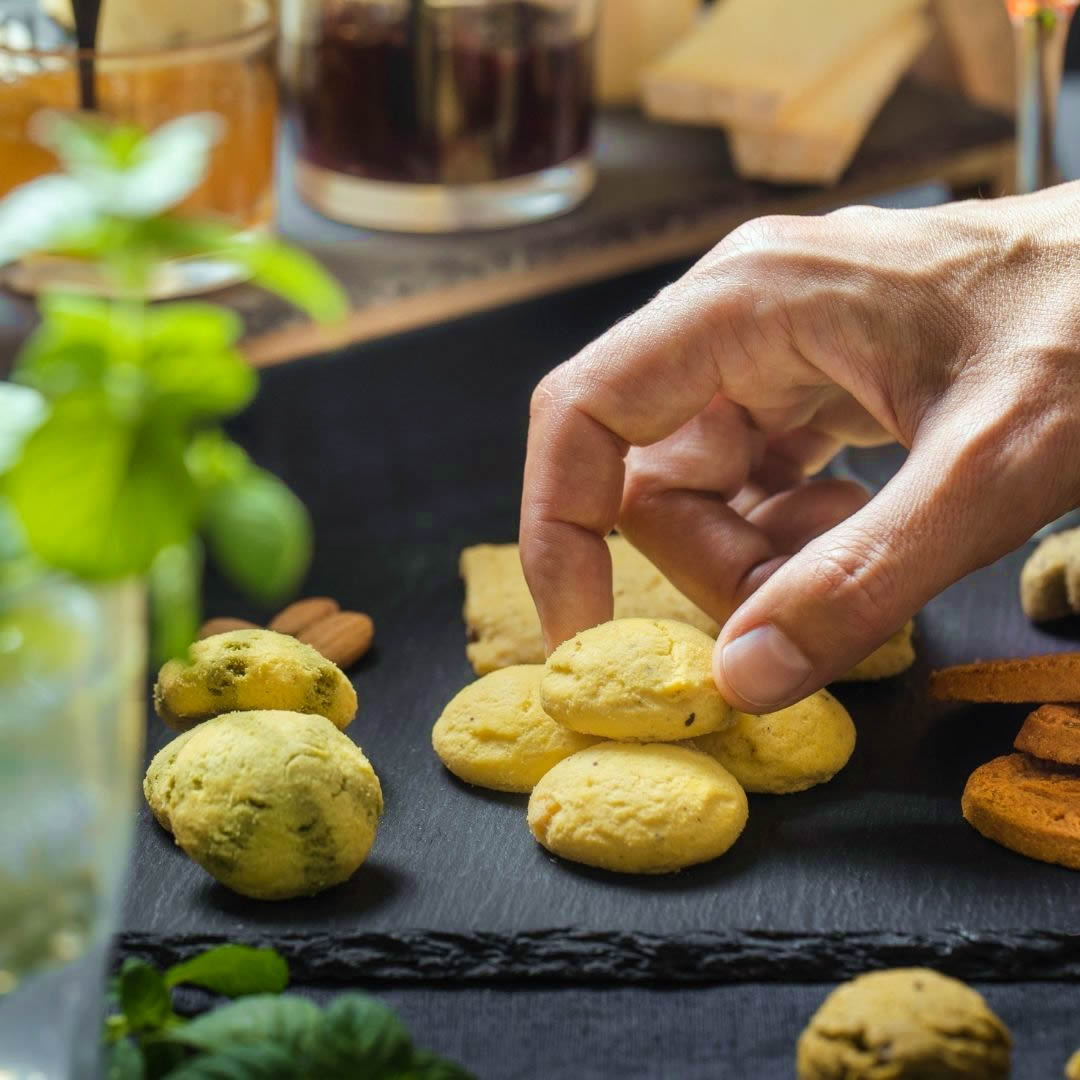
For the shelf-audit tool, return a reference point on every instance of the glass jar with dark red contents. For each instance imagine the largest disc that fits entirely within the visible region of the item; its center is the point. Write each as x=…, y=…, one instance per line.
x=438, y=115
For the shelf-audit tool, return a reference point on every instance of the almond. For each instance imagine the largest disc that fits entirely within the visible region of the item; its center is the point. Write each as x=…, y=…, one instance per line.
x=303, y=613
x=342, y=637
x=223, y=624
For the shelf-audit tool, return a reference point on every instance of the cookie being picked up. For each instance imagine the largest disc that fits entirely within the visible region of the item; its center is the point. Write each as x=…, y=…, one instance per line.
x=644, y=680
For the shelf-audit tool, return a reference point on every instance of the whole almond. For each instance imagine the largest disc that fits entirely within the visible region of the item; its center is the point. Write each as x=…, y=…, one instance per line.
x=222, y=625
x=342, y=637
x=303, y=613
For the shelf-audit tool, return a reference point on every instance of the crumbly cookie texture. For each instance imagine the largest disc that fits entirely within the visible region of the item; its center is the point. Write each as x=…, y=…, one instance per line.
x=642, y=679
x=638, y=808
x=1052, y=732
x=1053, y=677
x=1030, y=806
x=1050, y=579
x=274, y=804
x=501, y=619
x=158, y=782
x=503, y=628
x=904, y=1024
x=790, y=750
x=892, y=658
x=252, y=669
x=495, y=734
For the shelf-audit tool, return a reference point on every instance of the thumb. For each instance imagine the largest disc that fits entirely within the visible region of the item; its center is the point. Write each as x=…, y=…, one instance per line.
x=839, y=598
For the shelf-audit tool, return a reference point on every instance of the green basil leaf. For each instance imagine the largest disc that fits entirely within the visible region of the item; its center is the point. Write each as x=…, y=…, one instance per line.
x=98, y=497
x=428, y=1066
x=125, y=1062
x=22, y=411
x=213, y=459
x=260, y=535
x=253, y=1062
x=358, y=1035
x=233, y=970
x=191, y=326
x=284, y=1021
x=143, y=996
x=174, y=583
x=35, y=214
x=293, y=275
x=162, y=1057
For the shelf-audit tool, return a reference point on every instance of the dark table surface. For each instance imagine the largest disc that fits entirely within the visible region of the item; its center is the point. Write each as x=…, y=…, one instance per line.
x=406, y=450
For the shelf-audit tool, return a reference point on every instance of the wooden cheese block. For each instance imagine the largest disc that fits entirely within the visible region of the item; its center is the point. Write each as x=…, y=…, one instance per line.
x=814, y=139
x=631, y=34
x=748, y=59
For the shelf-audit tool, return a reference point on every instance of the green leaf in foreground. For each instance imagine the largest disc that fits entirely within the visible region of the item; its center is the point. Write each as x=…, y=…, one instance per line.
x=174, y=585
x=96, y=496
x=233, y=970
x=124, y=1062
x=143, y=996
x=360, y=1033
x=293, y=275
x=255, y=1061
x=260, y=534
x=283, y=1021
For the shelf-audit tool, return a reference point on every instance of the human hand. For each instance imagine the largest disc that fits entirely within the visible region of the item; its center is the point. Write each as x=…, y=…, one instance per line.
x=693, y=425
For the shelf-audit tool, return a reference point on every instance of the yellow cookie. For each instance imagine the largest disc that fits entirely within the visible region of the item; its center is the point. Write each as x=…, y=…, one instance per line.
x=274, y=804
x=646, y=680
x=790, y=750
x=252, y=669
x=157, y=784
x=904, y=1024
x=494, y=733
x=638, y=808
x=892, y=658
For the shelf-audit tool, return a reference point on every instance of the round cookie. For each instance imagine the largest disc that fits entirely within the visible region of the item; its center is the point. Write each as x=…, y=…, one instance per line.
x=647, y=680
x=274, y=804
x=157, y=784
x=494, y=733
x=1052, y=732
x=1029, y=806
x=904, y=1024
x=252, y=669
x=638, y=808
x=789, y=750
x=892, y=658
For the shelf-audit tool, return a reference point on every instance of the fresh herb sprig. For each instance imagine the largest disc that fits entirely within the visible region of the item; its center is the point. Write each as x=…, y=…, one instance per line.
x=264, y=1036
x=112, y=460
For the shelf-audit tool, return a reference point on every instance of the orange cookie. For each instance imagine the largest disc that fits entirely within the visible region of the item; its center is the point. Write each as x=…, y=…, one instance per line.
x=1054, y=677
x=1052, y=733
x=1028, y=806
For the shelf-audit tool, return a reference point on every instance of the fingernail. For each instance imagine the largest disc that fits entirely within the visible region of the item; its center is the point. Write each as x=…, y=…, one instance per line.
x=763, y=667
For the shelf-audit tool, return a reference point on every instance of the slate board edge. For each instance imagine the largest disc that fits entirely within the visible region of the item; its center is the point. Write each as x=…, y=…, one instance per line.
x=577, y=956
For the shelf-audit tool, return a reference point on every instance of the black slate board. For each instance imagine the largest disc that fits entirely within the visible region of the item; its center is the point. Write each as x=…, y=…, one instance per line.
x=410, y=448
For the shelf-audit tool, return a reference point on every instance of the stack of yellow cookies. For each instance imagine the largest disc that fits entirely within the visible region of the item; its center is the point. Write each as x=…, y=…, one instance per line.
x=262, y=789
x=634, y=761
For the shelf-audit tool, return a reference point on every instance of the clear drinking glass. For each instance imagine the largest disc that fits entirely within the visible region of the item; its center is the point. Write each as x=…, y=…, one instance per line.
x=231, y=72
x=72, y=716
x=438, y=115
x=1041, y=29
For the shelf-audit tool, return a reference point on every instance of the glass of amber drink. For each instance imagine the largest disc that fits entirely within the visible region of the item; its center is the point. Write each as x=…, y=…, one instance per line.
x=161, y=61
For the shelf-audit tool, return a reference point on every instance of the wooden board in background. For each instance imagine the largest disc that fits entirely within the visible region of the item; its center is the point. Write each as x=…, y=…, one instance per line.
x=664, y=192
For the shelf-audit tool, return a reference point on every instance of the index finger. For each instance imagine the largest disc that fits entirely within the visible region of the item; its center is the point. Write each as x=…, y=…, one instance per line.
x=635, y=385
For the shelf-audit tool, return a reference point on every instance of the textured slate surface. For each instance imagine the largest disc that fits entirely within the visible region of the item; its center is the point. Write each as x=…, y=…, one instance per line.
x=410, y=448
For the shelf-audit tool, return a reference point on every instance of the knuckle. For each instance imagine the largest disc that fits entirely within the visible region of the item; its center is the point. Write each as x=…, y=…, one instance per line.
x=852, y=576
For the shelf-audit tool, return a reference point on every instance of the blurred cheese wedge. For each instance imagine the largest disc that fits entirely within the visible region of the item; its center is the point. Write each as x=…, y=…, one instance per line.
x=813, y=140
x=132, y=25
x=748, y=59
x=630, y=34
